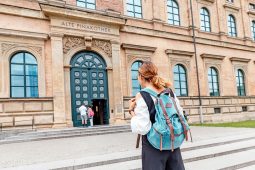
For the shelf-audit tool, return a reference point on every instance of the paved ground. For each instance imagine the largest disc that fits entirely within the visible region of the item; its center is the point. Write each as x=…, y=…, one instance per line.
x=99, y=148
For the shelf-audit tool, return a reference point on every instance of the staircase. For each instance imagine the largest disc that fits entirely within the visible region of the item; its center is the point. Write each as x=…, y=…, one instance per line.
x=16, y=137
x=223, y=154
x=219, y=153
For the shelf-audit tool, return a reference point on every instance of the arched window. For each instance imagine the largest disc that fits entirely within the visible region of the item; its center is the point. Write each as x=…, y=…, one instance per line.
x=24, y=75
x=253, y=30
x=240, y=82
x=205, y=20
x=173, y=12
x=213, y=81
x=232, y=26
x=180, y=80
x=134, y=73
x=90, y=4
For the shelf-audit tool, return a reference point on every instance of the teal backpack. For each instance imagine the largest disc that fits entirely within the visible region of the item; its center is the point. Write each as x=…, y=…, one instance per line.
x=169, y=127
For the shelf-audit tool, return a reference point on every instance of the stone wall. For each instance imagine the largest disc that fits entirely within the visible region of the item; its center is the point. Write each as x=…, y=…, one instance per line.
x=214, y=109
x=26, y=112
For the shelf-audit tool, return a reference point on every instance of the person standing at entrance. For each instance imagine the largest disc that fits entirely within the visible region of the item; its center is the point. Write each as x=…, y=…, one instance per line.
x=84, y=116
x=91, y=115
x=142, y=121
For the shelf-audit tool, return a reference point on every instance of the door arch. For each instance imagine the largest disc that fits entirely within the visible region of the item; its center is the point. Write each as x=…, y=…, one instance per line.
x=89, y=85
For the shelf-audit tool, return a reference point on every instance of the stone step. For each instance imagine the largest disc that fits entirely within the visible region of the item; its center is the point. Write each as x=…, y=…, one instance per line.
x=19, y=139
x=78, y=129
x=222, y=162
x=132, y=159
x=187, y=159
x=130, y=165
x=64, y=133
x=205, y=153
x=252, y=167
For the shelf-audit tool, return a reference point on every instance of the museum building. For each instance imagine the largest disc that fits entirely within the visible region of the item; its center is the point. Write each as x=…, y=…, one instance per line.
x=57, y=54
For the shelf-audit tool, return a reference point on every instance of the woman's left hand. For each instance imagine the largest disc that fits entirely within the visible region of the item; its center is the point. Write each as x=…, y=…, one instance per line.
x=132, y=104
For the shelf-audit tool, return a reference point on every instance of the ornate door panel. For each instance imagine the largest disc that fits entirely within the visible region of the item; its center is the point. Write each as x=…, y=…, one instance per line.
x=88, y=82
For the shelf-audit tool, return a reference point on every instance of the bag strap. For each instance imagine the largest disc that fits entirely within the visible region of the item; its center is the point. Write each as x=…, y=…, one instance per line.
x=152, y=111
x=172, y=93
x=180, y=117
x=150, y=104
x=168, y=122
x=150, y=91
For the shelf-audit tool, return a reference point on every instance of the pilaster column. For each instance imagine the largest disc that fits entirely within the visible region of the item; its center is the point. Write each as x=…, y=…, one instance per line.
x=222, y=18
x=157, y=7
x=58, y=82
x=118, y=93
x=68, y=100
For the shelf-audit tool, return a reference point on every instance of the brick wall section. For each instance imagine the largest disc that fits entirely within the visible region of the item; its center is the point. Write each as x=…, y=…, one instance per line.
x=22, y=3
x=102, y=5
x=22, y=112
x=71, y=2
x=114, y=5
x=231, y=108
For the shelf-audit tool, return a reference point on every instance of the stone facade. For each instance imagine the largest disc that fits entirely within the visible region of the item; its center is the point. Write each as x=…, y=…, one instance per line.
x=54, y=31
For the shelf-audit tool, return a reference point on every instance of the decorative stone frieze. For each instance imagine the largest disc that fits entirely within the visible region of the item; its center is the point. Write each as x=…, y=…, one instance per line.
x=88, y=42
x=242, y=63
x=72, y=42
x=132, y=58
x=212, y=60
x=135, y=53
x=179, y=57
x=138, y=52
x=37, y=49
x=7, y=47
x=103, y=45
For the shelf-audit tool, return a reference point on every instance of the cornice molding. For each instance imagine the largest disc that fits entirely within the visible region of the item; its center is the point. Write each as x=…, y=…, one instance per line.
x=15, y=33
x=53, y=2
x=213, y=56
x=251, y=12
x=54, y=34
x=24, y=12
x=206, y=1
x=138, y=47
x=179, y=52
x=231, y=6
x=240, y=59
x=84, y=14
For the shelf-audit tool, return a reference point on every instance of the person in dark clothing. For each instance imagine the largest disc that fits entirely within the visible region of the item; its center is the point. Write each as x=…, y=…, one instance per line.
x=141, y=122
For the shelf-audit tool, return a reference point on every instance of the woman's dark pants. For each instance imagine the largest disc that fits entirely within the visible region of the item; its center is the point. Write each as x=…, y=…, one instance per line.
x=154, y=159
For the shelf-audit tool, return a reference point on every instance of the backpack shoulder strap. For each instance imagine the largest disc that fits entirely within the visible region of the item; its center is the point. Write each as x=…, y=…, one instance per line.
x=150, y=104
x=151, y=107
x=151, y=92
x=172, y=93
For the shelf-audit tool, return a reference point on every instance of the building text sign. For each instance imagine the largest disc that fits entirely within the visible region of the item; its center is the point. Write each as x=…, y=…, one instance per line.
x=88, y=26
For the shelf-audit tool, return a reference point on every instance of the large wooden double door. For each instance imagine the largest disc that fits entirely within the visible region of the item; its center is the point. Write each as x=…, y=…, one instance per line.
x=88, y=84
